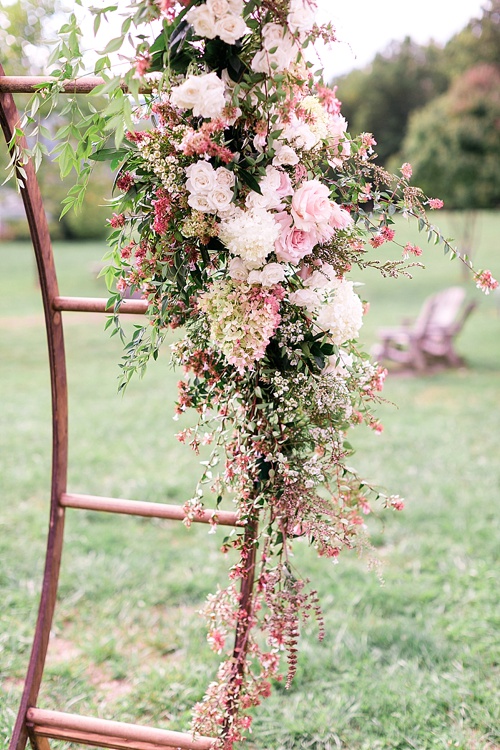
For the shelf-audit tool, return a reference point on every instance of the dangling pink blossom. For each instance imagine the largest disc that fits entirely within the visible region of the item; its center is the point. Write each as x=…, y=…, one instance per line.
x=485, y=281
x=436, y=203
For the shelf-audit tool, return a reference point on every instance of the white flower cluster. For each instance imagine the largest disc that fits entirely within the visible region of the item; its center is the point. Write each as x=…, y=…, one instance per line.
x=301, y=15
x=250, y=235
x=333, y=301
x=210, y=190
x=204, y=94
x=220, y=18
x=278, y=51
x=269, y=275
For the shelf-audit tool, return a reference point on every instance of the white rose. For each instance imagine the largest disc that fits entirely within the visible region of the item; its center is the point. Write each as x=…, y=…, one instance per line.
x=274, y=35
x=201, y=177
x=187, y=94
x=201, y=202
x=212, y=100
x=237, y=270
x=236, y=6
x=272, y=274
x=224, y=177
x=255, y=200
x=305, y=298
x=254, y=277
x=203, y=21
x=322, y=278
x=221, y=198
x=218, y=7
x=285, y=156
x=231, y=28
x=301, y=15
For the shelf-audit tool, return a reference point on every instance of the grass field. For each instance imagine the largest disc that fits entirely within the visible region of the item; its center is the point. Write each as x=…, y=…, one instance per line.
x=413, y=663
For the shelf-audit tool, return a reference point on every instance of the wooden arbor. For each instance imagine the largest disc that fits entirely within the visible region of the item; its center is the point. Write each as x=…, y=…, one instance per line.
x=33, y=723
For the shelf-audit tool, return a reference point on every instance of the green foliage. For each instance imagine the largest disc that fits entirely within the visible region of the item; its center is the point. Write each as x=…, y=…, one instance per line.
x=453, y=143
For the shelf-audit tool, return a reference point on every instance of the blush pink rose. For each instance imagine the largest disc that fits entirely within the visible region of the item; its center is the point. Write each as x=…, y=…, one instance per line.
x=340, y=218
x=292, y=244
x=285, y=187
x=311, y=207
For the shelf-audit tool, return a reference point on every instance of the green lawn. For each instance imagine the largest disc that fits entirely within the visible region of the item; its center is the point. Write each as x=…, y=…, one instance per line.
x=413, y=663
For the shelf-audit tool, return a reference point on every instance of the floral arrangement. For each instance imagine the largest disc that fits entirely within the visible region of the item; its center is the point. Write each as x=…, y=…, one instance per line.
x=245, y=214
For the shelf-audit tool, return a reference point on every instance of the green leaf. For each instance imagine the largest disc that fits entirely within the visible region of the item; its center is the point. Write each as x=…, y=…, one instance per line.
x=250, y=181
x=113, y=46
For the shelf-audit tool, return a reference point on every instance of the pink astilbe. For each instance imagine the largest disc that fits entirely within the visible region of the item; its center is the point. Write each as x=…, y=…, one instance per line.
x=162, y=210
x=125, y=182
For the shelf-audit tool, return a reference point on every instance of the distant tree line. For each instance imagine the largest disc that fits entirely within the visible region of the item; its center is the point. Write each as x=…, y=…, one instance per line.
x=437, y=108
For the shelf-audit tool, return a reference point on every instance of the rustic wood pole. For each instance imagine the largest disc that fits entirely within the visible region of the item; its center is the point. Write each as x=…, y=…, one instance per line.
x=37, y=220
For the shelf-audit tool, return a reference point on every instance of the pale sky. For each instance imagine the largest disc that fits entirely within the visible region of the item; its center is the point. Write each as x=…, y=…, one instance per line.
x=366, y=27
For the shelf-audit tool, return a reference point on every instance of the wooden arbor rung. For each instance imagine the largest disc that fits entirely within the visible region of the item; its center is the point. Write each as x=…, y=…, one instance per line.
x=147, y=510
x=84, y=730
x=99, y=305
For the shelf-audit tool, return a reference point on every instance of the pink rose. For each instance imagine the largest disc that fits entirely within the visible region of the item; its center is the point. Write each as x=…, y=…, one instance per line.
x=285, y=187
x=311, y=207
x=340, y=218
x=292, y=243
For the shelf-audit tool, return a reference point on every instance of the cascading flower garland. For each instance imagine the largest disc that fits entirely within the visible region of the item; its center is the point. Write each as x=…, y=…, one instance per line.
x=243, y=207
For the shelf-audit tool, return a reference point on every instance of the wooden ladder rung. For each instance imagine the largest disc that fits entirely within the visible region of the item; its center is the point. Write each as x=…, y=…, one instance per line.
x=150, y=510
x=98, y=304
x=111, y=734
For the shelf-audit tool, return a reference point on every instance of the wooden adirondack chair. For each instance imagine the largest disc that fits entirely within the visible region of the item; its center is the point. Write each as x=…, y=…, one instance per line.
x=429, y=341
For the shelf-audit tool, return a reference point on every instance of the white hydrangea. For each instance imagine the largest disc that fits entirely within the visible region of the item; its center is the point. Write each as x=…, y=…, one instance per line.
x=250, y=235
x=342, y=314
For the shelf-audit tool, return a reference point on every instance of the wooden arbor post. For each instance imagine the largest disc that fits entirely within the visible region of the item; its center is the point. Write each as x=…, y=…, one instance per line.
x=33, y=723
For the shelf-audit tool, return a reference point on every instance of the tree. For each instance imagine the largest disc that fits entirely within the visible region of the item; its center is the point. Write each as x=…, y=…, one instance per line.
x=26, y=28
x=381, y=98
x=453, y=143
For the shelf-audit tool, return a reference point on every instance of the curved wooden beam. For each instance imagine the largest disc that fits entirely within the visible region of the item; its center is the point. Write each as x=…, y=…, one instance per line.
x=37, y=220
x=30, y=84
